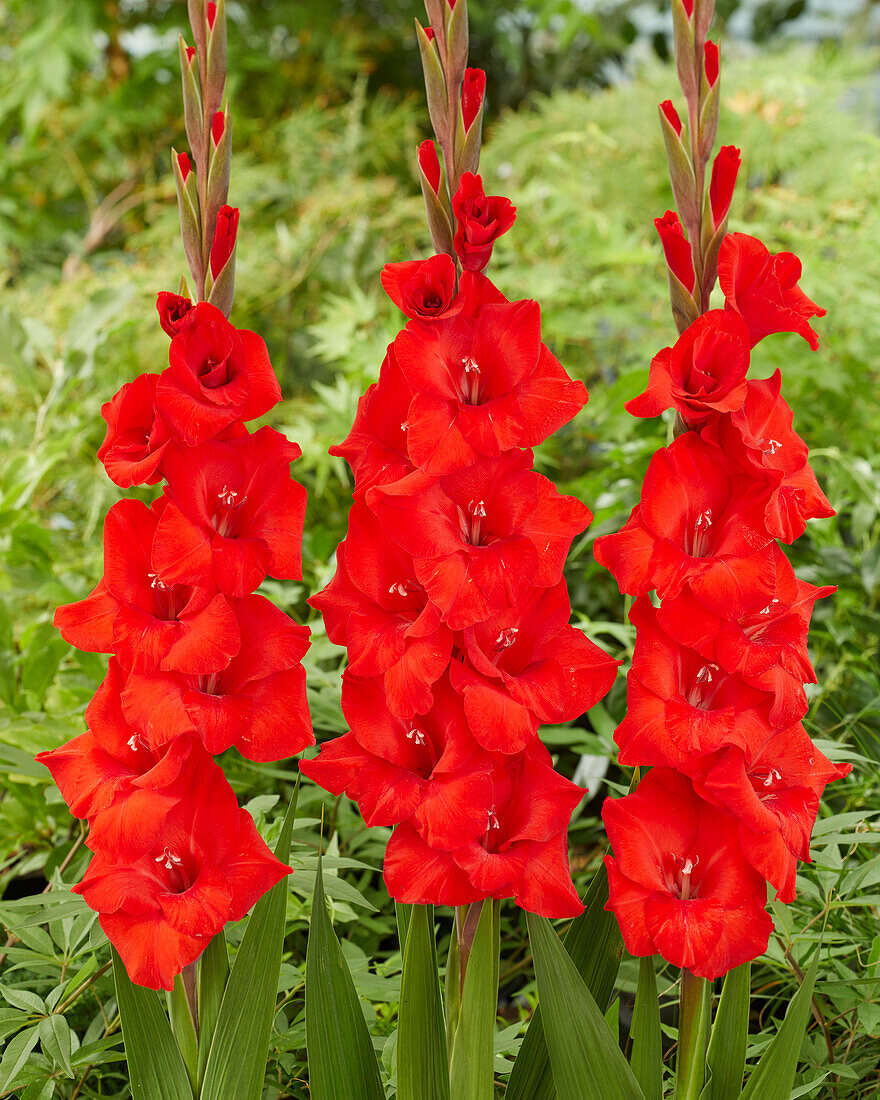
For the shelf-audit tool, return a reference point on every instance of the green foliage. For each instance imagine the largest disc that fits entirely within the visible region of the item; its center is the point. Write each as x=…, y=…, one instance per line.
x=328, y=195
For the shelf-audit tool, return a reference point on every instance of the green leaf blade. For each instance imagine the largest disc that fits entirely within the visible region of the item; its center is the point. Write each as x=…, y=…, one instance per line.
x=584, y=1058
x=726, y=1059
x=472, y=1064
x=422, y=1069
x=647, y=1041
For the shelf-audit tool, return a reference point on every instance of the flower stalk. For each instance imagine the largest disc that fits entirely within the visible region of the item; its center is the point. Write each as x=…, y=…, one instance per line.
x=694, y=1009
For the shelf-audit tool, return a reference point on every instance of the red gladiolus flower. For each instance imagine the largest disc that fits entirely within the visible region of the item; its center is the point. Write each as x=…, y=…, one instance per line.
x=694, y=525
x=174, y=309
x=527, y=666
x=764, y=288
x=521, y=852
x=481, y=536
x=208, y=867
x=771, y=784
x=724, y=172
x=676, y=249
x=679, y=883
x=473, y=91
x=136, y=439
x=704, y=373
x=421, y=288
x=233, y=514
x=257, y=703
x=376, y=607
x=224, y=239
x=481, y=220
x=482, y=384
x=218, y=375
x=147, y=624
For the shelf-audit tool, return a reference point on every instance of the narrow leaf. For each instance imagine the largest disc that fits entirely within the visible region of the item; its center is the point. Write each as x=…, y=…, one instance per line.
x=472, y=1067
x=647, y=1045
x=213, y=976
x=595, y=945
x=342, y=1061
x=422, y=1070
x=694, y=1012
x=403, y=914
x=155, y=1067
x=239, y=1048
x=726, y=1059
x=773, y=1076
x=584, y=1057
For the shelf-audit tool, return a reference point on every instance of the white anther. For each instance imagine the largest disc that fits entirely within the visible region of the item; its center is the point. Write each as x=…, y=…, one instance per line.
x=416, y=735
x=154, y=581
x=470, y=365
x=507, y=636
x=766, y=610
x=398, y=588
x=168, y=859
x=687, y=865
x=704, y=676
x=773, y=445
x=227, y=496
x=703, y=520
x=493, y=820
x=774, y=774
x=136, y=742
x=405, y=425
x=477, y=507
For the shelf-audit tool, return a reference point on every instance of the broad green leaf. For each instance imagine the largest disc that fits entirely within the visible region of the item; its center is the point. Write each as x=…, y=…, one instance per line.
x=647, y=1046
x=213, y=976
x=694, y=1013
x=236, y=1063
x=585, y=1059
x=16, y=1053
x=472, y=1065
x=773, y=1076
x=342, y=1061
x=595, y=945
x=155, y=1067
x=422, y=1069
x=55, y=1040
x=726, y=1060
x=23, y=999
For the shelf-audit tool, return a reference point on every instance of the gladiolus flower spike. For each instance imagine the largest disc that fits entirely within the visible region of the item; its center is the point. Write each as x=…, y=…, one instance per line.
x=715, y=694
x=449, y=594
x=199, y=661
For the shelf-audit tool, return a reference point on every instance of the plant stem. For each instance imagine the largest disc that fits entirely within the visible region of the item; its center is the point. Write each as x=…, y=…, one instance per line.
x=184, y=1015
x=693, y=1036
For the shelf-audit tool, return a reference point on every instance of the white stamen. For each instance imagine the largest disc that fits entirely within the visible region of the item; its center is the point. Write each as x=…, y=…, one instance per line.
x=687, y=867
x=766, y=610
x=398, y=588
x=507, y=636
x=136, y=742
x=168, y=859
x=470, y=365
x=704, y=676
x=493, y=820
x=703, y=520
x=416, y=735
x=477, y=507
x=227, y=496
x=774, y=774
x=154, y=581
x=405, y=425
x=773, y=445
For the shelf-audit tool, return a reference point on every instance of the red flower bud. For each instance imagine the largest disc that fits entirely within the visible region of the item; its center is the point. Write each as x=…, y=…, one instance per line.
x=211, y=13
x=672, y=115
x=421, y=288
x=473, y=91
x=184, y=165
x=481, y=218
x=688, y=6
x=430, y=165
x=677, y=249
x=173, y=309
x=224, y=238
x=429, y=33
x=710, y=63
x=724, y=173
x=190, y=53
x=218, y=125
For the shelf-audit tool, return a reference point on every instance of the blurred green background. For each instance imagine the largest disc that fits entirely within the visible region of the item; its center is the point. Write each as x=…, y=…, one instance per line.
x=327, y=113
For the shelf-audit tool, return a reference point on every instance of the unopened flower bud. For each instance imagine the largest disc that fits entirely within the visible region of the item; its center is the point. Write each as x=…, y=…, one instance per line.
x=218, y=125
x=224, y=238
x=430, y=165
x=710, y=63
x=677, y=249
x=473, y=91
x=671, y=116
x=724, y=173
x=184, y=165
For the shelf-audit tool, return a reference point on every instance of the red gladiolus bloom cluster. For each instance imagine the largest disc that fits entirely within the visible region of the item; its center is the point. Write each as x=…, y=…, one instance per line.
x=450, y=598
x=716, y=691
x=199, y=661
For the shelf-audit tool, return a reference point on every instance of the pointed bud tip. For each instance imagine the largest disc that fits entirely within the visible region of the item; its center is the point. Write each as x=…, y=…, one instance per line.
x=218, y=125
x=711, y=63
x=183, y=163
x=211, y=15
x=671, y=115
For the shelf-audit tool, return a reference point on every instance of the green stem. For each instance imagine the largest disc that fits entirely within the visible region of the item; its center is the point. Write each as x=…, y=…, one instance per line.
x=471, y=1071
x=693, y=1036
x=183, y=1014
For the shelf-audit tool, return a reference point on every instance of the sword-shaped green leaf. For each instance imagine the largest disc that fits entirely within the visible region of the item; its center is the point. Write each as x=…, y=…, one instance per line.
x=726, y=1058
x=422, y=1069
x=647, y=1046
x=472, y=1065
